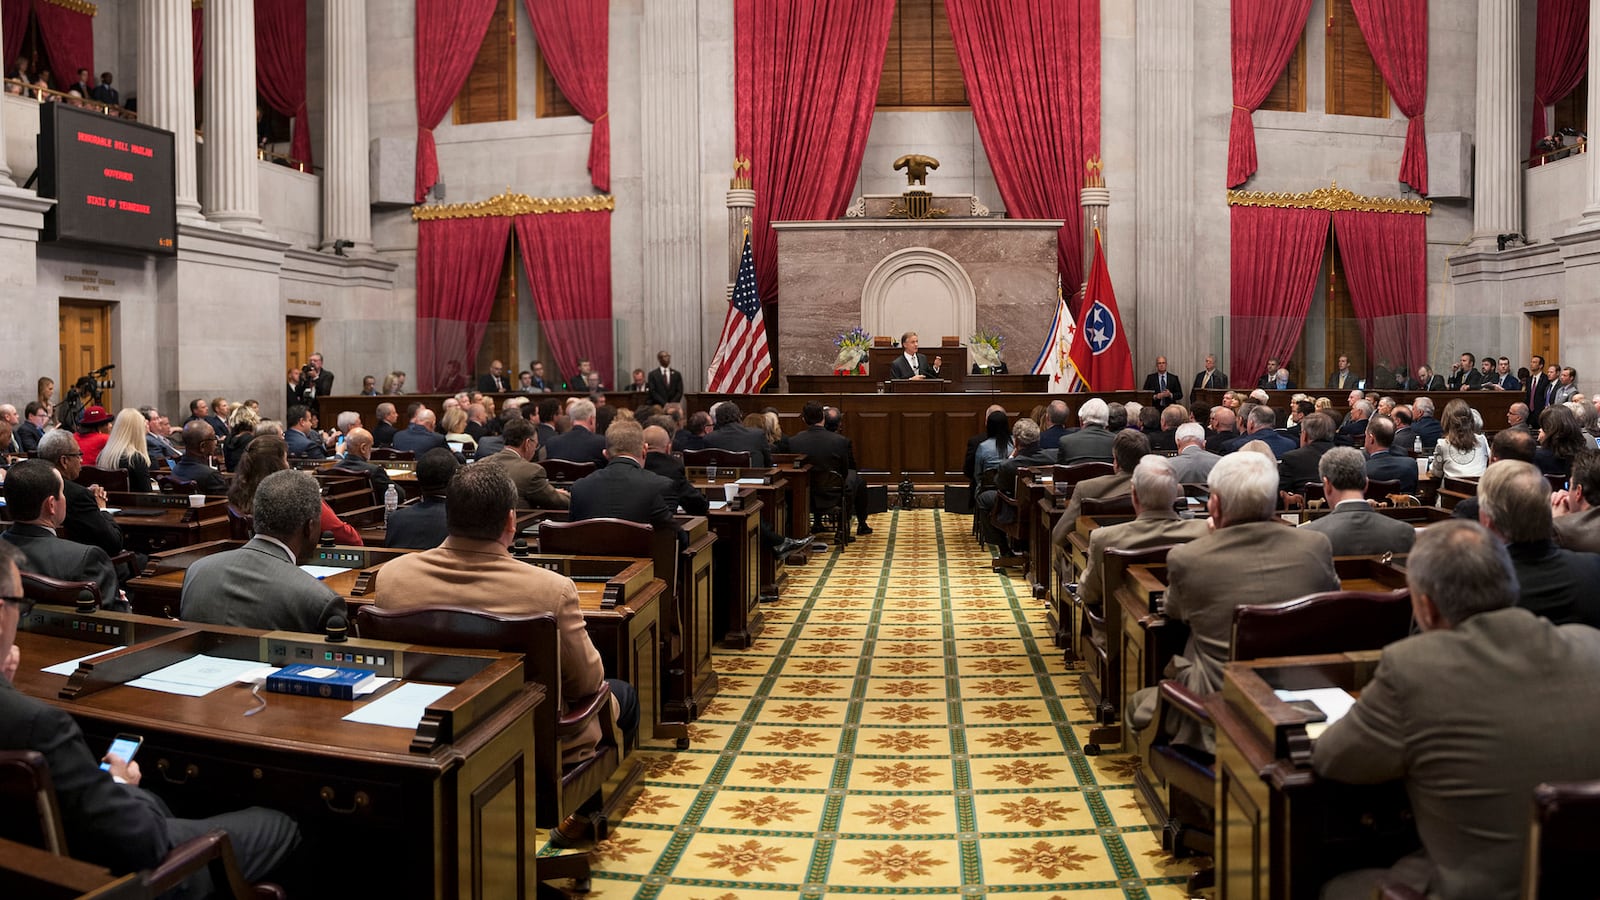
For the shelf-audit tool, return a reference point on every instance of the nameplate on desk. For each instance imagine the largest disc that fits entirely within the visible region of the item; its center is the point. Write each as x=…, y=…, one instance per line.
x=752, y=481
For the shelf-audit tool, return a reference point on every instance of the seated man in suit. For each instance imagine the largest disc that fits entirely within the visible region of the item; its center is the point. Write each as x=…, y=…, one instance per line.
x=579, y=443
x=474, y=566
x=1464, y=713
x=1503, y=378
x=383, y=430
x=1221, y=429
x=419, y=437
x=623, y=489
x=1423, y=424
x=1194, y=462
x=534, y=490
x=1166, y=436
x=304, y=441
x=31, y=429
x=1128, y=448
x=833, y=452
x=1465, y=376
x=261, y=584
x=1354, y=429
x=1056, y=418
x=730, y=434
x=658, y=459
x=913, y=365
x=1514, y=504
x=1210, y=377
x=86, y=520
x=1299, y=466
x=1577, y=520
x=1341, y=378
x=357, y=459
x=199, y=445
x=1262, y=425
x=1250, y=556
x=1384, y=463
x=1155, y=524
x=1025, y=452
x=1271, y=375
x=1166, y=388
x=1354, y=527
x=494, y=381
x=421, y=525
x=692, y=436
x=665, y=384
x=1091, y=442
x=37, y=502
x=108, y=820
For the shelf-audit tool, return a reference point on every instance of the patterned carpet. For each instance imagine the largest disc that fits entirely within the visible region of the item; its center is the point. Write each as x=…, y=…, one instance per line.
x=903, y=726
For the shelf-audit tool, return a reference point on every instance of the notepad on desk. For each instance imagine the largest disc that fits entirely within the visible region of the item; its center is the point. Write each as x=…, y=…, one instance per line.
x=719, y=504
x=71, y=665
x=397, y=473
x=402, y=707
x=196, y=676
x=1333, y=702
x=321, y=572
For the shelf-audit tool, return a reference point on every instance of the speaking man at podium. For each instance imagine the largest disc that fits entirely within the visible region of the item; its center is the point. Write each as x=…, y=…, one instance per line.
x=911, y=364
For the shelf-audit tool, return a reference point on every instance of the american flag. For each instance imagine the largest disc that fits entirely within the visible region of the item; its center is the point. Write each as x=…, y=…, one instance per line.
x=742, y=364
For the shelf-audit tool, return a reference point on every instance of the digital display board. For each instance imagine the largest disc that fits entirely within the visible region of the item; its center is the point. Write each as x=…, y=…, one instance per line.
x=112, y=180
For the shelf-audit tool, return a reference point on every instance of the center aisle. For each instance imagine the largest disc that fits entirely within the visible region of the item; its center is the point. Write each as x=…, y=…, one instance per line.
x=897, y=729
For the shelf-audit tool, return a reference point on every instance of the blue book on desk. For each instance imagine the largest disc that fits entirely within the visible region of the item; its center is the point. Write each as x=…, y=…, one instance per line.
x=319, y=681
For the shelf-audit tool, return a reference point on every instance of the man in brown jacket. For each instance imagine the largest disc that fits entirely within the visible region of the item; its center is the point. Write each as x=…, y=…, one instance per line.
x=534, y=490
x=1155, y=524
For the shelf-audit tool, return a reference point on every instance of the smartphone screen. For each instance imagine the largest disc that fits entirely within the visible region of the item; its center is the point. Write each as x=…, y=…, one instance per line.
x=124, y=747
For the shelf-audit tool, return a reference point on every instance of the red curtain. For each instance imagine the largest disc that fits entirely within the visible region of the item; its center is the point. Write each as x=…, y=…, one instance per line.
x=1275, y=253
x=1560, y=59
x=281, y=67
x=1032, y=70
x=1264, y=35
x=14, y=22
x=1385, y=258
x=574, y=38
x=1396, y=31
x=458, y=269
x=448, y=35
x=807, y=82
x=68, y=38
x=567, y=257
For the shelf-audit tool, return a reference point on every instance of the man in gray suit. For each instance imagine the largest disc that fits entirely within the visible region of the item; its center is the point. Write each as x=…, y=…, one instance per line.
x=1194, y=462
x=1474, y=712
x=1092, y=442
x=1250, y=557
x=1514, y=503
x=1354, y=527
x=1127, y=449
x=1155, y=524
x=37, y=500
x=1577, y=519
x=261, y=584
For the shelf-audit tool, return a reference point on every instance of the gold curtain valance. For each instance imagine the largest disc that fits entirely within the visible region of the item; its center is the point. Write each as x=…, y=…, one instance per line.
x=509, y=204
x=77, y=6
x=1333, y=199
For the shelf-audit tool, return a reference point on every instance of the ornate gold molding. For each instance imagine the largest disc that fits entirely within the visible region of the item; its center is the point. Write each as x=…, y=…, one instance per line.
x=1094, y=173
x=77, y=6
x=1333, y=199
x=509, y=204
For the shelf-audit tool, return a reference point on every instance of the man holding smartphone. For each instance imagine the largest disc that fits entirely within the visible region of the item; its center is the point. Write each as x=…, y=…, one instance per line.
x=109, y=820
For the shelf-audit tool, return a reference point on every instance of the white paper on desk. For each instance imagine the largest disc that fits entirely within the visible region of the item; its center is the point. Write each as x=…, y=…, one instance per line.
x=112, y=510
x=71, y=665
x=321, y=572
x=719, y=504
x=1334, y=703
x=196, y=676
x=396, y=473
x=749, y=481
x=402, y=707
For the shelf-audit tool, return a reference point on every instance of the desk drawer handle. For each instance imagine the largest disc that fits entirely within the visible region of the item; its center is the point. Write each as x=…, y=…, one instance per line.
x=357, y=804
x=189, y=771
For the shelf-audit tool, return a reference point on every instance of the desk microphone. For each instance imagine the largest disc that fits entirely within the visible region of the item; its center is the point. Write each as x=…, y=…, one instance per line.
x=337, y=627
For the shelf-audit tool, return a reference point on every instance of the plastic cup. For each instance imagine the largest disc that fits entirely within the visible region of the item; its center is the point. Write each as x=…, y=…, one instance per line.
x=730, y=491
x=197, y=500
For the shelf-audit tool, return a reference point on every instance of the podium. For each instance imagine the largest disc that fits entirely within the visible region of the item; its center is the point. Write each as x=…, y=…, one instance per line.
x=952, y=368
x=925, y=386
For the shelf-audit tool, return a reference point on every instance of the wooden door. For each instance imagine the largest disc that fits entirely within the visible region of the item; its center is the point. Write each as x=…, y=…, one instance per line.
x=85, y=344
x=1545, y=338
x=500, y=336
x=300, y=340
x=1344, y=328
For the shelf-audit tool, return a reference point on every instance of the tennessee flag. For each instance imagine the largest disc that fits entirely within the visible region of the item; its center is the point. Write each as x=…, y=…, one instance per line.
x=1100, y=354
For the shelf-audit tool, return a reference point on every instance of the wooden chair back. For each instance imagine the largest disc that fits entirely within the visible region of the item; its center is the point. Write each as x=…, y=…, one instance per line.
x=1068, y=476
x=172, y=484
x=1379, y=489
x=28, y=811
x=1566, y=817
x=382, y=454
x=566, y=471
x=617, y=537
x=241, y=527
x=1120, y=505
x=44, y=589
x=1329, y=622
x=716, y=456
x=110, y=479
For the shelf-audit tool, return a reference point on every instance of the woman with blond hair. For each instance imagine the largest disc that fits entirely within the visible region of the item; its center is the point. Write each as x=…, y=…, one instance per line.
x=242, y=424
x=126, y=449
x=47, y=394
x=1462, y=451
x=454, y=426
x=393, y=383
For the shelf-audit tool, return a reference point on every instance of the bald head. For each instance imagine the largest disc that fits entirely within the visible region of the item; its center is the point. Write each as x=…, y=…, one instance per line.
x=656, y=440
x=358, y=443
x=195, y=435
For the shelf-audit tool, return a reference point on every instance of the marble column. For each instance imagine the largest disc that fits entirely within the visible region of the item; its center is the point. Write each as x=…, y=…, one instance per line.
x=166, y=90
x=231, y=194
x=5, y=166
x=346, y=204
x=1591, y=212
x=741, y=212
x=1165, y=305
x=669, y=111
x=1497, y=172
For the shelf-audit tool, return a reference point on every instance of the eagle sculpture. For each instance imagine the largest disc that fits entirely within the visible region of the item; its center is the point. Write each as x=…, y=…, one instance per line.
x=916, y=166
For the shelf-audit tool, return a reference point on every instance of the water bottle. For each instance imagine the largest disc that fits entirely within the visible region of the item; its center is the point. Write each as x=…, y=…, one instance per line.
x=391, y=502
x=1418, y=446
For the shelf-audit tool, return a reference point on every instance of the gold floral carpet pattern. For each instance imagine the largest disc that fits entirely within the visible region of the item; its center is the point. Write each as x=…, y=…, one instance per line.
x=904, y=725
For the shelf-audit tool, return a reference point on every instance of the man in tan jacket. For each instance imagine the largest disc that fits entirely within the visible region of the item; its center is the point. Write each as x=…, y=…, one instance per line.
x=534, y=490
x=1155, y=524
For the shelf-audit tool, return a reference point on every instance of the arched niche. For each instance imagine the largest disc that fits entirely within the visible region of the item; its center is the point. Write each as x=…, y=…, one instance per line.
x=919, y=289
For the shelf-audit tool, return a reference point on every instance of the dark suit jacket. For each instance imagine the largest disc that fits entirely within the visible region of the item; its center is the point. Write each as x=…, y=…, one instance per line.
x=1353, y=433
x=1163, y=440
x=1557, y=584
x=206, y=479
x=1281, y=444
x=737, y=437
x=1219, y=380
x=305, y=444
x=324, y=383
x=1429, y=429
x=420, y=526
x=488, y=384
x=1507, y=382
x=57, y=557
x=1217, y=441
x=121, y=827
x=1271, y=384
x=1391, y=466
x=1299, y=466
x=1152, y=384
x=825, y=449
x=688, y=496
x=380, y=477
x=1356, y=529
x=664, y=390
x=382, y=434
x=1091, y=443
x=1538, y=397
x=1005, y=476
x=1351, y=381
x=623, y=490
x=683, y=440
x=87, y=523
x=417, y=439
x=902, y=369
x=257, y=586
x=1436, y=382
x=1473, y=718
x=1471, y=378
x=28, y=436
x=578, y=444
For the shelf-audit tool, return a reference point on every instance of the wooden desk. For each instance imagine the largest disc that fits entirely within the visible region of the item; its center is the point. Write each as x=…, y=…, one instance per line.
x=434, y=811
x=796, y=468
x=736, y=613
x=772, y=495
x=159, y=588
x=689, y=680
x=1280, y=831
x=1033, y=488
